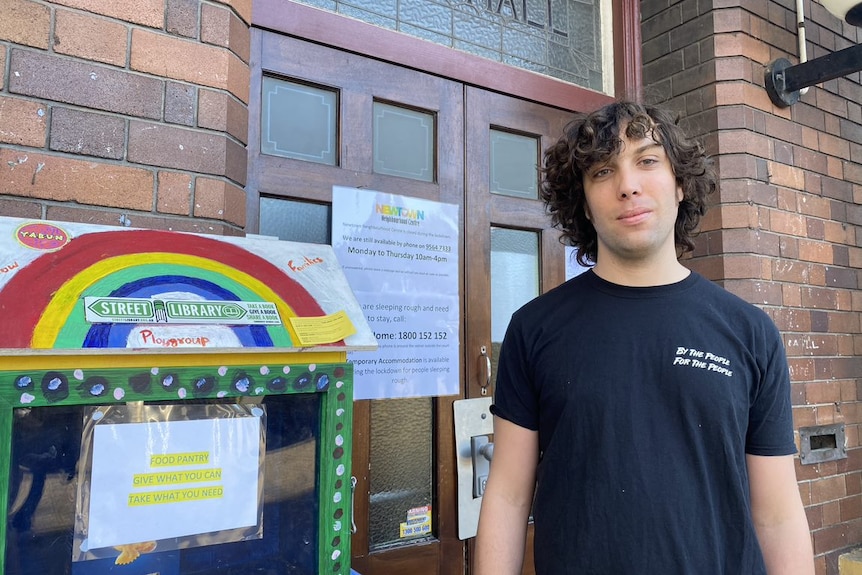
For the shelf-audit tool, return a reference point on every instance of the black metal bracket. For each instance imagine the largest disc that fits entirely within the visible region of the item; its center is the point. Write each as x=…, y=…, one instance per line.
x=784, y=81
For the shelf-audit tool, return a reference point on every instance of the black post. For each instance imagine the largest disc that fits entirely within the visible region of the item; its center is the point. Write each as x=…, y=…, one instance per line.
x=784, y=81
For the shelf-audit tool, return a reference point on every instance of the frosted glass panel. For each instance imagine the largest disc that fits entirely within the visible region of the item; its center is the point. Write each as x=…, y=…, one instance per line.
x=558, y=38
x=514, y=165
x=295, y=221
x=401, y=466
x=298, y=121
x=403, y=142
x=514, y=280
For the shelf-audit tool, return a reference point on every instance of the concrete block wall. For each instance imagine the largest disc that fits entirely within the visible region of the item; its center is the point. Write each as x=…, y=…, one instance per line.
x=129, y=112
x=785, y=233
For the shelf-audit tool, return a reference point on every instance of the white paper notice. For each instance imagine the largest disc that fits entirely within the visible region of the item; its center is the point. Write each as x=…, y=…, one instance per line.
x=160, y=480
x=573, y=268
x=400, y=256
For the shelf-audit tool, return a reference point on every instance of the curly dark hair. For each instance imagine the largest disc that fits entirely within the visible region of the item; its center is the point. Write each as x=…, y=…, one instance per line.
x=590, y=139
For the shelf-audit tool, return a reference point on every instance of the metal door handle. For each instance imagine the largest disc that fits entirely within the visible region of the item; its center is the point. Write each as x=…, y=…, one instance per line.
x=484, y=353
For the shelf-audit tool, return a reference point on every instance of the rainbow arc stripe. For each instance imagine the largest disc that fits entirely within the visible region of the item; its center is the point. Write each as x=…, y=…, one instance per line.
x=41, y=303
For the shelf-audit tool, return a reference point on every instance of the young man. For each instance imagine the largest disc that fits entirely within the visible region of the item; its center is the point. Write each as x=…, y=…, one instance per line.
x=642, y=412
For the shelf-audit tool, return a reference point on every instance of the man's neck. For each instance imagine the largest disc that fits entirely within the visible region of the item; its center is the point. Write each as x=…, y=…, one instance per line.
x=640, y=273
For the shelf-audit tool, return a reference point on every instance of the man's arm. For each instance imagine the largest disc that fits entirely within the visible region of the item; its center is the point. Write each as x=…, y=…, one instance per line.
x=779, y=517
x=507, y=500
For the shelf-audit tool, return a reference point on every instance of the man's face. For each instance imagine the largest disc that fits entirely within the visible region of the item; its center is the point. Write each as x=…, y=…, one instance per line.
x=632, y=201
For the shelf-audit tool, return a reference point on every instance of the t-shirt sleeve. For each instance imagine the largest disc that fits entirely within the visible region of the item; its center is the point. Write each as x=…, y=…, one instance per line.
x=770, y=421
x=514, y=394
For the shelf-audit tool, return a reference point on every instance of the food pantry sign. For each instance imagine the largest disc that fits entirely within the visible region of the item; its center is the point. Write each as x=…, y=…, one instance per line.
x=143, y=310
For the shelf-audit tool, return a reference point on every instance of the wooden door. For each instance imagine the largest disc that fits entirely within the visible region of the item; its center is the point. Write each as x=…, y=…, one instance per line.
x=512, y=253
x=354, y=85
x=469, y=124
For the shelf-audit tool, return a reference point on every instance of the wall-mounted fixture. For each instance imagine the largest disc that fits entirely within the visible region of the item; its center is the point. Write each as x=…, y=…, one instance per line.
x=822, y=443
x=785, y=81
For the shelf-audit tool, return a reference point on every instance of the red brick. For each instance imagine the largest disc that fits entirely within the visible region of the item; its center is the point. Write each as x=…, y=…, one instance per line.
x=241, y=7
x=3, y=66
x=817, y=275
x=90, y=37
x=737, y=216
x=846, y=347
x=189, y=61
x=740, y=141
x=66, y=213
x=790, y=295
x=219, y=200
x=822, y=392
x=788, y=270
x=837, y=188
x=84, y=84
x=813, y=251
x=851, y=439
x=840, y=277
x=854, y=482
x=810, y=160
x=839, y=536
x=174, y=195
x=63, y=179
x=220, y=26
x=815, y=228
x=147, y=12
x=180, y=103
x=786, y=176
x=182, y=18
x=835, y=146
x=832, y=104
x=834, y=167
x=25, y=22
x=804, y=416
x=80, y=132
x=851, y=508
x=741, y=240
x=183, y=149
x=731, y=20
x=811, y=344
x=828, y=489
x=20, y=209
x=742, y=266
x=23, y=122
x=782, y=128
x=843, y=322
x=839, y=232
x=801, y=369
x=221, y=111
x=730, y=93
x=831, y=512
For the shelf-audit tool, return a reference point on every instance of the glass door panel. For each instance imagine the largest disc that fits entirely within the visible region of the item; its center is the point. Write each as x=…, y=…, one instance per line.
x=402, y=474
x=514, y=280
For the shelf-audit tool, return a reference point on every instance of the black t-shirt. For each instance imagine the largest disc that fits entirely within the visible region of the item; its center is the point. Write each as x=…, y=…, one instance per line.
x=646, y=401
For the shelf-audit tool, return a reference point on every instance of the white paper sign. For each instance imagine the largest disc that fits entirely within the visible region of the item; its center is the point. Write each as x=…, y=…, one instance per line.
x=573, y=268
x=400, y=257
x=159, y=480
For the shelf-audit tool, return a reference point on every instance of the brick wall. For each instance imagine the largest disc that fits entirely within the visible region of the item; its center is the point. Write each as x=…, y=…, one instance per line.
x=785, y=233
x=125, y=112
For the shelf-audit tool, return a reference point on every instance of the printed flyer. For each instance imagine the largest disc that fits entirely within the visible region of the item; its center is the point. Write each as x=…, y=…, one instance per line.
x=161, y=478
x=400, y=257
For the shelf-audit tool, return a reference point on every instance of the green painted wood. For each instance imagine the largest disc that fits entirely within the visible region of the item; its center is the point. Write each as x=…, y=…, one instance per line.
x=46, y=388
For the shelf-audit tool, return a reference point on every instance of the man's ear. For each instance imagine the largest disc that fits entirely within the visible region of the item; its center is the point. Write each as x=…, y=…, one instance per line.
x=587, y=212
